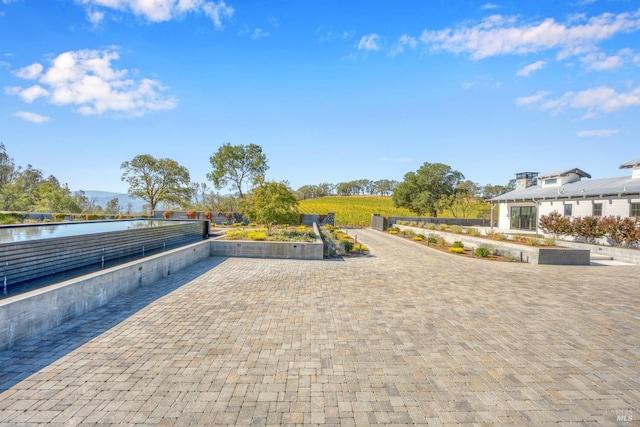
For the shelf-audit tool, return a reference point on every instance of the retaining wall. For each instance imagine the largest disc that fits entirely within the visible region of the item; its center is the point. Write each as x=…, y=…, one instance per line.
x=34, y=312
x=529, y=254
x=631, y=256
x=31, y=259
x=258, y=249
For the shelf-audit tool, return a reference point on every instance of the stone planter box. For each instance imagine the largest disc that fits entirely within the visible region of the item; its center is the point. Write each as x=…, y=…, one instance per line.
x=629, y=255
x=263, y=249
x=523, y=253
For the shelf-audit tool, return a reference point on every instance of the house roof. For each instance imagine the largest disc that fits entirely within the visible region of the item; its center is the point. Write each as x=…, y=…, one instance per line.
x=580, y=189
x=579, y=172
x=631, y=164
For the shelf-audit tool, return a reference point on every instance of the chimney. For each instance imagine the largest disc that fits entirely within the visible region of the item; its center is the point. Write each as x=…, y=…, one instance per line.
x=526, y=180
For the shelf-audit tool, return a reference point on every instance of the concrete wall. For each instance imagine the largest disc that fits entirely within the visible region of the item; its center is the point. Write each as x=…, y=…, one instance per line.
x=41, y=257
x=529, y=254
x=631, y=256
x=463, y=222
x=34, y=312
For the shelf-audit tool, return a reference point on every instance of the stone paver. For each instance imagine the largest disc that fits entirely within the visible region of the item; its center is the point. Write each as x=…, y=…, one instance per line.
x=406, y=336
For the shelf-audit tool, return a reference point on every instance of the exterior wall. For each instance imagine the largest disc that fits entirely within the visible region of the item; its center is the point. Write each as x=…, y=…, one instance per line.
x=580, y=208
x=584, y=207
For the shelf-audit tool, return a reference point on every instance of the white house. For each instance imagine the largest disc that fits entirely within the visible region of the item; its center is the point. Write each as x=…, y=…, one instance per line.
x=570, y=192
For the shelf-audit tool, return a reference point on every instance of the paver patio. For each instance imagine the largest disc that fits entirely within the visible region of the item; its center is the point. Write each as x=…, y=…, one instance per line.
x=406, y=336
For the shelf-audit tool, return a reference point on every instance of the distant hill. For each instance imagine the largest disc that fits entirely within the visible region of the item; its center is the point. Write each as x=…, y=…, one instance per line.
x=102, y=197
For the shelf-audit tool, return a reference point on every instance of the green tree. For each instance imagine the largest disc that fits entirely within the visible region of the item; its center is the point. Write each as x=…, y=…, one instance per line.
x=113, y=207
x=490, y=191
x=156, y=180
x=464, y=202
x=271, y=202
x=427, y=189
x=50, y=196
x=237, y=165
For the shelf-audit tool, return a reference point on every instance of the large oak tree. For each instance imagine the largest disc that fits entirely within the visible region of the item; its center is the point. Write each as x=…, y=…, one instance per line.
x=427, y=190
x=157, y=180
x=237, y=165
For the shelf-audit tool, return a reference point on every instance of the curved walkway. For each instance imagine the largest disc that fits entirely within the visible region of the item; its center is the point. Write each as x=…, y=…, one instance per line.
x=408, y=335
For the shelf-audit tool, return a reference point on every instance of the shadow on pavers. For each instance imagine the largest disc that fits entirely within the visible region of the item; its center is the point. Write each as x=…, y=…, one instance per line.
x=28, y=356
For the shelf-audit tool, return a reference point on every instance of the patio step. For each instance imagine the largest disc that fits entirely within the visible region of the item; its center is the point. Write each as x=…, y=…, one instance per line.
x=600, y=257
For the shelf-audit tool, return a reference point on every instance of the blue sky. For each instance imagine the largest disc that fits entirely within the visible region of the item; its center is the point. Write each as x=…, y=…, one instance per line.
x=332, y=90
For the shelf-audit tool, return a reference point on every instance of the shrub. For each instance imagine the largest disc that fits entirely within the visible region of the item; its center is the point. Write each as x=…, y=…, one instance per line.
x=442, y=227
x=432, y=240
x=456, y=250
x=412, y=223
x=360, y=248
x=589, y=227
x=235, y=235
x=418, y=237
x=473, y=232
x=257, y=235
x=253, y=224
x=58, y=217
x=238, y=224
x=532, y=241
x=394, y=231
x=166, y=214
x=501, y=236
x=421, y=224
x=555, y=224
x=482, y=252
x=456, y=229
x=517, y=237
x=208, y=215
x=302, y=228
x=549, y=241
x=347, y=244
x=622, y=231
x=458, y=244
x=431, y=226
x=441, y=242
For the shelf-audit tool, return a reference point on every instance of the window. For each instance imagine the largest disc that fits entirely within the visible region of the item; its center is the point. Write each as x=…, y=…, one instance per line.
x=568, y=209
x=597, y=209
x=550, y=181
x=635, y=209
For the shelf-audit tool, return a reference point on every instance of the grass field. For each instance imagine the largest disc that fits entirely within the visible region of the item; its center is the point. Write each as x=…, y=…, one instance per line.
x=353, y=210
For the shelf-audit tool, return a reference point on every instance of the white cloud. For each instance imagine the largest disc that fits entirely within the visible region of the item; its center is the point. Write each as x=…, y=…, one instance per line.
x=326, y=35
x=259, y=33
x=600, y=99
x=489, y=6
x=85, y=79
x=500, y=35
x=605, y=99
x=597, y=133
x=527, y=70
x=31, y=72
x=95, y=17
x=526, y=100
x=32, y=117
x=404, y=41
x=369, y=42
x=159, y=10
x=217, y=12
x=29, y=94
